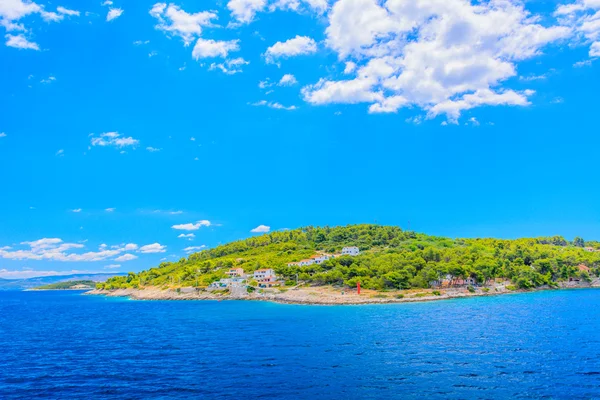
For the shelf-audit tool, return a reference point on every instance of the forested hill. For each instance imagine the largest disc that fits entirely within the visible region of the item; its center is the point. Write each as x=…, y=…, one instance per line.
x=390, y=258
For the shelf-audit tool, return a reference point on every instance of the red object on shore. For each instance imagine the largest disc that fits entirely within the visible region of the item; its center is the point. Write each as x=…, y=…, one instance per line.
x=358, y=287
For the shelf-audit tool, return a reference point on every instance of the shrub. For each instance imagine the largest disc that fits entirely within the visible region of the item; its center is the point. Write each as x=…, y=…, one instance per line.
x=420, y=294
x=485, y=289
x=399, y=296
x=511, y=287
x=436, y=292
x=471, y=289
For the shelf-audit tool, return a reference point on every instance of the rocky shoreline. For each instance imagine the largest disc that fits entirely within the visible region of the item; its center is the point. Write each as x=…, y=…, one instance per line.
x=327, y=295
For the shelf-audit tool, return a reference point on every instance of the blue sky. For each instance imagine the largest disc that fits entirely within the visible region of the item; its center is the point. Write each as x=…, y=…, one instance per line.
x=127, y=125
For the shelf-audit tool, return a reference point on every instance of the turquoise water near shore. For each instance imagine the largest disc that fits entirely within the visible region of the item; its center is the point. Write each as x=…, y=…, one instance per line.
x=534, y=345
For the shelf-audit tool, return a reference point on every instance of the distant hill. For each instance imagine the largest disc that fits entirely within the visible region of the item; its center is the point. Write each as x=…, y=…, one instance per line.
x=30, y=283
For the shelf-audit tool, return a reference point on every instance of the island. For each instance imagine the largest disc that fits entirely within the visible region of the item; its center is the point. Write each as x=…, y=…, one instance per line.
x=364, y=263
x=68, y=285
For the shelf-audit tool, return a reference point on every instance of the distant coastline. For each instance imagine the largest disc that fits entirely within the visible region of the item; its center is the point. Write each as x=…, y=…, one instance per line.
x=328, y=295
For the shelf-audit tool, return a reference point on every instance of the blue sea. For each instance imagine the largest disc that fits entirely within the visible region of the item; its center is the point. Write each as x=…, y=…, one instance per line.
x=62, y=345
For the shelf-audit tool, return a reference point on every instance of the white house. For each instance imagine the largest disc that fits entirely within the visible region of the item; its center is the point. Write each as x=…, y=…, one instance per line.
x=264, y=275
x=319, y=258
x=306, y=262
x=350, y=251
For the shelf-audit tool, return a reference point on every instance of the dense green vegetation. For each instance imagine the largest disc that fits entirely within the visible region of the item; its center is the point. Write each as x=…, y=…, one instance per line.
x=390, y=259
x=66, y=285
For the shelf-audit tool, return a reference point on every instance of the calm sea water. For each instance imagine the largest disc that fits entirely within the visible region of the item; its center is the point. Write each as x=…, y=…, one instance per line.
x=64, y=345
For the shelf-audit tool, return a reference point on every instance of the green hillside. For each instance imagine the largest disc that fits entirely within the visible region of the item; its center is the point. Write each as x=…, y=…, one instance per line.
x=390, y=259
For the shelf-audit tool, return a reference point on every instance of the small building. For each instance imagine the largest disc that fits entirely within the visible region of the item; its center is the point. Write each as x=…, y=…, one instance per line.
x=583, y=268
x=589, y=248
x=350, y=251
x=264, y=275
x=306, y=262
x=268, y=284
x=319, y=258
x=292, y=264
x=235, y=272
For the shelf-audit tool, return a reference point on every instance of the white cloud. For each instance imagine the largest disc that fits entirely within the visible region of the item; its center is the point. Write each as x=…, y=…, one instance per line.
x=77, y=210
x=2, y=134
x=140, y=42
x=130, y=247
x=110, y=209
x=300, y=45
x=31, y=273
x=188, y=236
x=175, y=21
x=245, y=10
x=112, y=266
x=48, y=80
x=432, y=54
x=66, y=11
x=113, y=13
x=20, y=42
x=287, y=80
x=275, y=105
x=60, y=153
x=113, y=139
x=153, y=248
x=152, y=149
x=192, y=226
x=474, y=121
x=230, y=67
x=193, y=249
x=11, y=11
x=584, y=63
x=208, y=48
x=56, y=250
x=107, y=3
x=126, y=257
x=261, y=229
x=583, y=17
x=350, y=67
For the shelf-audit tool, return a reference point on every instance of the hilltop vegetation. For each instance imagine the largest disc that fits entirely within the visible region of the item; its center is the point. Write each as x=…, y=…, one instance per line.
x=390, y=259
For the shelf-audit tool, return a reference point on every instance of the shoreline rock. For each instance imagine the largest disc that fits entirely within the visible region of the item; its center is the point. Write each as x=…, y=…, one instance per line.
x=326, y=295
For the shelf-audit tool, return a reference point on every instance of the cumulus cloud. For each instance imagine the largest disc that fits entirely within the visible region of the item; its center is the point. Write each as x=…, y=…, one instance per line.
x=77, y=210
x=300, y=45
x=126, y=257
x=261, y=229
x=209, y=48
x=110, y=209
x=113, y=139
x=245, y=10
x=152, y=149
x=439, y=55
x=113, y=13
x=153, y=248
x=11, y=11
x=20, y=42
x=175, y=21
x=192, y=226
x=287, y=80
x=188, y=236
x=583, y=17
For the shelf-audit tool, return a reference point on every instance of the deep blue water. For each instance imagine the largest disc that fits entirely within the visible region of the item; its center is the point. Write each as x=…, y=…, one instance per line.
x=64, y=345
